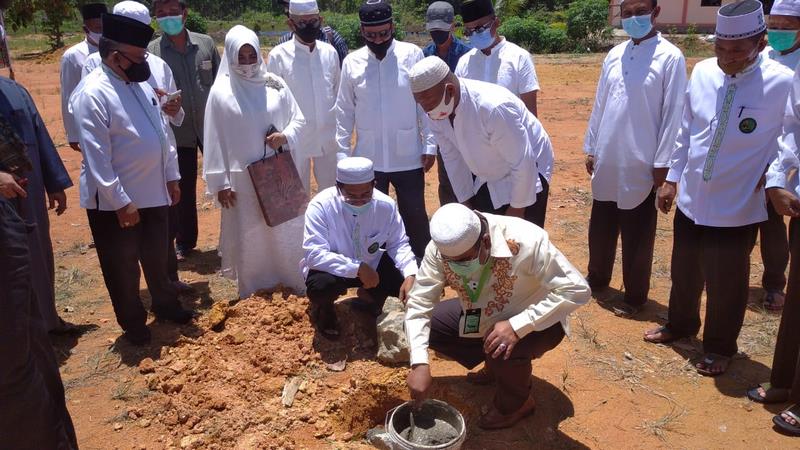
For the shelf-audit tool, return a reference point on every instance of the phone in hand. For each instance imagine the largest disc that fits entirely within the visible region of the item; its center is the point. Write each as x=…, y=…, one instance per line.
x=173, y=96
x=270, y=131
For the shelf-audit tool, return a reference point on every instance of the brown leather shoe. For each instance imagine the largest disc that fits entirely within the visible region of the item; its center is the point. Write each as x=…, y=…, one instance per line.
x=495, y=420
x=483, y=377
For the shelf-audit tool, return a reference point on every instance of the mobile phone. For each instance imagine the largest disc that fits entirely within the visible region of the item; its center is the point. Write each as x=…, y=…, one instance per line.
x=173, y=96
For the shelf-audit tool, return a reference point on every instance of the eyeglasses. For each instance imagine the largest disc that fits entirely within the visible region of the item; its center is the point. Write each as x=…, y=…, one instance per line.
x=479, y=29
x=372, y=35
x=359, y=198
x=306, y=23
x=144, y=58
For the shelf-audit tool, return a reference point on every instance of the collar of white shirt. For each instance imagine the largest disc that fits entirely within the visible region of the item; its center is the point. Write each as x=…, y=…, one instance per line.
x=499, y=245
x=302, y=48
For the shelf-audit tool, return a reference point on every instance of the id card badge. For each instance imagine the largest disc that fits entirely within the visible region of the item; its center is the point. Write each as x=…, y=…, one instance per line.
x=472, y=321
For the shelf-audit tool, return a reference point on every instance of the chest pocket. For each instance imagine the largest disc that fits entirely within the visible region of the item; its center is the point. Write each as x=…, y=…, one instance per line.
x=374, y=243
x=205, y=70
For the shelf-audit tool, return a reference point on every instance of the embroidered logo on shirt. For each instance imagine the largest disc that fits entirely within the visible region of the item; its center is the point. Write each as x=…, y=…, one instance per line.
x=748, y=125
x=373, y=248
x=273, y=83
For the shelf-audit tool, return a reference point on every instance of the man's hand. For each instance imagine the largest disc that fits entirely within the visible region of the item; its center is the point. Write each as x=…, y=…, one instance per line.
x=590, y=164
x=276, y=140
x=9, y=188
x=784, y=202
x=128, y=216
x=666, y=196
x=368, y=276
x=427, y=162
x=501, y=340
x=75, y=146
x=419, y=382
x=172, y=107
x=659, y=176
x=515, y=212
x=174, y=189
x=227, y=198
x=57, y=201
x=405, y=288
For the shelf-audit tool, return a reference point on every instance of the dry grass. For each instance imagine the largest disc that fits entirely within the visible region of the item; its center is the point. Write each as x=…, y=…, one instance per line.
x=663, y=425
x=757, y=337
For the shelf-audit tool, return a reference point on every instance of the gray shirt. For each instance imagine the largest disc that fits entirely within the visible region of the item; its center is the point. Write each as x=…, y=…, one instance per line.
x=194, y=73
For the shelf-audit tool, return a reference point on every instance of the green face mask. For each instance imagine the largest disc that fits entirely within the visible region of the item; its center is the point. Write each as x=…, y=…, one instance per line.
x=782, y=40
x=465, y=269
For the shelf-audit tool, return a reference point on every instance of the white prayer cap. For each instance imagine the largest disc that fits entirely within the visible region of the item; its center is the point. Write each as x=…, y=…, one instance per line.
x=354, y=170
x=740, y=20
x=133, y=10
x=785, y=8
x=427, y=73
x=455, y=229
x=303, y=7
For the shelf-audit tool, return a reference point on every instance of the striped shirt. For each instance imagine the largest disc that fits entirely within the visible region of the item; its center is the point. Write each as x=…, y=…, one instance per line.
x=337, y=41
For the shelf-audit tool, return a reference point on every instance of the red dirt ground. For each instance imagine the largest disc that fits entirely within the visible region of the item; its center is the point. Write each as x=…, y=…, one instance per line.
x=603, y=388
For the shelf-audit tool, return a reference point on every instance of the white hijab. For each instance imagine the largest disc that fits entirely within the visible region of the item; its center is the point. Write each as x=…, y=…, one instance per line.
x=238, y=114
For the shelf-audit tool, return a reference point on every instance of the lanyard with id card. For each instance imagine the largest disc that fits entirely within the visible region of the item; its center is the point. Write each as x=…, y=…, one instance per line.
x=472, y=318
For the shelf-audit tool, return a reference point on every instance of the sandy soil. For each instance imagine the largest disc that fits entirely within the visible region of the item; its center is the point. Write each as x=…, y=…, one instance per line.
x=603, y=388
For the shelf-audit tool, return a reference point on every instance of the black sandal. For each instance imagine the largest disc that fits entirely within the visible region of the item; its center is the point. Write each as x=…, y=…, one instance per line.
x=704, y=366
x=793, y=412
x=771, y=395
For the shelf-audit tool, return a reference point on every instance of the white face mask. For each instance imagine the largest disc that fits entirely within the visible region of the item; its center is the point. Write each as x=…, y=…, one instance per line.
x=247, y=71
x=443, y=110
x=94, y=38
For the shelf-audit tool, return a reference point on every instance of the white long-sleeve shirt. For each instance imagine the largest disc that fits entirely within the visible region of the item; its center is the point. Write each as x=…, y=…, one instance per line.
x=496, y=138
x=337, y=242
x=71, y=73
x=532, y=285
x=160, y=78
x=783, y=172
x=123, y=138
x=376, y=102
x=313, y=77
x=745, y=113
x=508, y=65
x=790, y=60
x=636, y=116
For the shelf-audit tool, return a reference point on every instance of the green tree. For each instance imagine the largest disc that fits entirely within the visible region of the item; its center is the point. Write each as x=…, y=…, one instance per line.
x=587, y=23
x=54, y=13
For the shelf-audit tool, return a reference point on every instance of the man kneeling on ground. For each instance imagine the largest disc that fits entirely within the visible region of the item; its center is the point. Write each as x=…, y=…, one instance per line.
x=354, y=237
x=515, y=293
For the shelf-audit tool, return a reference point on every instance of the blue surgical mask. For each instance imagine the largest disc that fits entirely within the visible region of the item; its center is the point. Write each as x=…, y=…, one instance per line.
x=638, y=27
x=782, y=40
x=357, y=210
x=482, y=40
x=172, y=25
x=465, y=268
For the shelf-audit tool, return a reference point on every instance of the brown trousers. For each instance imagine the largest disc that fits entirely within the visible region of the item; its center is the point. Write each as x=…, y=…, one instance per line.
x=638, y=229
x=513, y=375
x=718, y=259
x=786, y=362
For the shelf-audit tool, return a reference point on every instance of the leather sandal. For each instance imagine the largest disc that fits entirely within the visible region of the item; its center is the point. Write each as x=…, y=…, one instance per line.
x=495, y=420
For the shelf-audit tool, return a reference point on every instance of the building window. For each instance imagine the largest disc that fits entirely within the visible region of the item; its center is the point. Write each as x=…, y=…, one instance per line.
x=716, y=3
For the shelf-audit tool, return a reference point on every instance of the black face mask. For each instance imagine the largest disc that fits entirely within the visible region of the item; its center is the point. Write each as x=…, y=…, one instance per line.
x=308, y=34
x=380, y=49
x=137, y=72
x=439, y=36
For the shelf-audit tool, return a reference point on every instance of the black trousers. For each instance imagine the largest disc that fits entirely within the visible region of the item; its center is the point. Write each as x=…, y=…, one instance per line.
x=323, y=288
x=719, y=260
x=410, y=188
x=638, y=229
x=121, y=250
x=786, y=362
x=33, y=412
x=446, y=194
x=186, y=237
x=513, y=375
x=535, y=213
x=774, y=250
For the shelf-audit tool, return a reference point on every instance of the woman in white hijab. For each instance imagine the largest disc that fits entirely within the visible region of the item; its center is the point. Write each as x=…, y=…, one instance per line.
x=244, y=101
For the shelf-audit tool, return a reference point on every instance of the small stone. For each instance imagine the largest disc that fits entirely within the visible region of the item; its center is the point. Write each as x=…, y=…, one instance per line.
x=117, y=426
x=346, y=436
x=69, y=309
x=192, y=441
x=392, y=342
x=628, y=356
x=144, y=423
x=217, y=316
x=147, y=366
x=290, y=391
